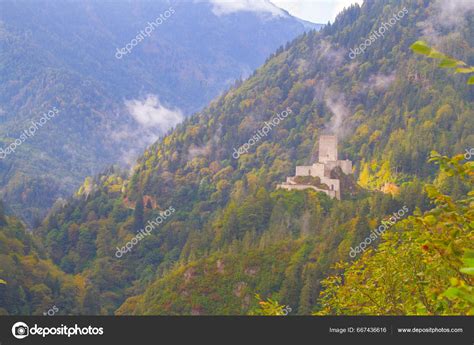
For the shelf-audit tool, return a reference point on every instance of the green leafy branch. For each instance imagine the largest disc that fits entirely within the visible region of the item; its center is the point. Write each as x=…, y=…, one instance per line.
x=268, y=307
x=422, y=48
x=460, y=291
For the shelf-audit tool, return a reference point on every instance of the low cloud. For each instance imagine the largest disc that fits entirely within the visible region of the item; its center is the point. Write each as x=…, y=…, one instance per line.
x=225, y=7
x=195, y=151
x=205, y=150
x=151, y=113
x=331, y=55
x=450, y=15
x=338, y=125
x=381, y=81
x=147, y=121
x=140, y=137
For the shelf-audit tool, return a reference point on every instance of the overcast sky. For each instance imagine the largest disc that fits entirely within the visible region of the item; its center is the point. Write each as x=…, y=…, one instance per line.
x=316, y=11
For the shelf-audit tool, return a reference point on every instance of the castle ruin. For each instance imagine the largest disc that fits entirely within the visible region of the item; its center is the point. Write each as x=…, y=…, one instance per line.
x=320, y=171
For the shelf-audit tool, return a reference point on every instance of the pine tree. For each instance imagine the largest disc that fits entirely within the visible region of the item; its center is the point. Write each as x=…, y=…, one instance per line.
x=3, y=220
x=90, y=304
x=138, y=222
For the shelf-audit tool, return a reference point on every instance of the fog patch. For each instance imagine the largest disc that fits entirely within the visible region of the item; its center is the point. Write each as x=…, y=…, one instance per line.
x=445, y=15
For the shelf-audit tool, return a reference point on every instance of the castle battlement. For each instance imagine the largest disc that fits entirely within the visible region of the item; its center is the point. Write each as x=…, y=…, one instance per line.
x=327, y=161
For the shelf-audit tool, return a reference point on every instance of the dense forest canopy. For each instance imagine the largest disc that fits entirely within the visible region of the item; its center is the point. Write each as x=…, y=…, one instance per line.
x=233, y=235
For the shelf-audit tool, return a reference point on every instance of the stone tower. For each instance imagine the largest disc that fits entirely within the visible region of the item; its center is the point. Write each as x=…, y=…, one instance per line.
x=322, y=169
x=327, y=148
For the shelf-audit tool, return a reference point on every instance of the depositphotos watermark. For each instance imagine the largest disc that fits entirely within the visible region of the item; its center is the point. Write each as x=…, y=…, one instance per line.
x=21, y=330
x=469, y=153
x=386, y=224
x=51, y=311
x=144, y=33
x=144, y=232
x=263, y=132
x=374, y=35
x=28, y=133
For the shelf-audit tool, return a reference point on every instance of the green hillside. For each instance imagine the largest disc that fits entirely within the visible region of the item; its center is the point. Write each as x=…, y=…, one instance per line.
x=111, y=106
x=30, y=284
x=233, y=235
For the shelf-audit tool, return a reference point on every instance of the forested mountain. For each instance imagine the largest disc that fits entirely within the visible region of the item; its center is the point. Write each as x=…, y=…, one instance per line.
x=115, y=93
x=30, y=284
x=230, y=234
x=434, y=250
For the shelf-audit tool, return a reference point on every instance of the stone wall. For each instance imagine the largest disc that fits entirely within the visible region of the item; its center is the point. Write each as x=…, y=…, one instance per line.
x=327, y=148
x=330, y=193
x=303, y=170
x=327, y=162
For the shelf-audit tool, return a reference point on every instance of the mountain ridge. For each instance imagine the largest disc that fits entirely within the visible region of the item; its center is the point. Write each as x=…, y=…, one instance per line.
x=233, y=235
x=233, y=203
x=111, y=109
